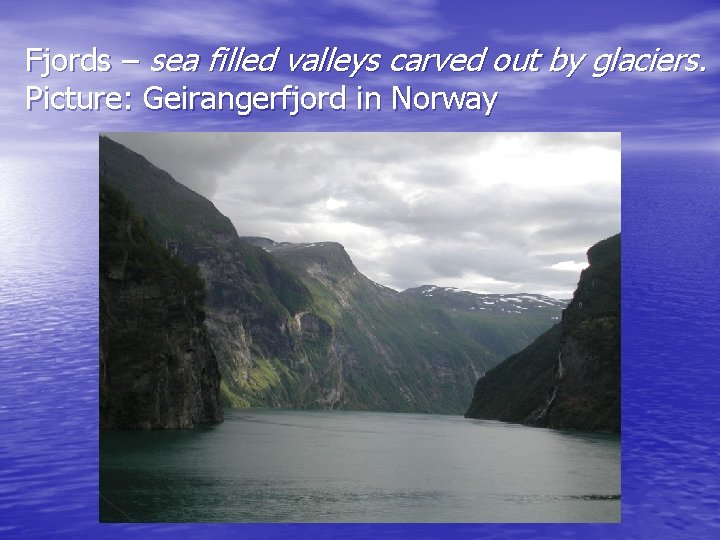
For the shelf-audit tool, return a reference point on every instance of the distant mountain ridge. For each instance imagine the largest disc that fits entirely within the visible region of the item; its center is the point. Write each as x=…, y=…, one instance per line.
x=441, y=297
x=449, y=297
x=297, y=325
x=454, y=298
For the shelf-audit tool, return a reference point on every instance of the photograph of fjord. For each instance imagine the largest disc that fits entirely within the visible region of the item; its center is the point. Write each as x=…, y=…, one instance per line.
x=359, y=327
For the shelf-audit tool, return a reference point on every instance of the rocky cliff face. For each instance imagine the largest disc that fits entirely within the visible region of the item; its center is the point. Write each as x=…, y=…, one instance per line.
x=381, y=350
x=569, y=378
x=406, y=351
x=251, y=299
x=586, y=389
x=157, y=368
x=297, y=325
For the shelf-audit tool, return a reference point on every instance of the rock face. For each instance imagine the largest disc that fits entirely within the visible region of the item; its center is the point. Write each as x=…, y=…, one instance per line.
x=405, y=350
x=569, y=378
x=157, y=368
x=297, y=325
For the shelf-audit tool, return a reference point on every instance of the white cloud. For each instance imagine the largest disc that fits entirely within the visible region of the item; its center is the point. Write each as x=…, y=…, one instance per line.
x=570, y=266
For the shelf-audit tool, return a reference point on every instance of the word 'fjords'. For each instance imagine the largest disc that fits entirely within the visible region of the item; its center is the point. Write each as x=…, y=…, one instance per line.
x=59, y=62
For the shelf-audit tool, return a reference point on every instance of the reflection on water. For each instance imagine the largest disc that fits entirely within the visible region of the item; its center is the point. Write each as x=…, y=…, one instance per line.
x=265, y=465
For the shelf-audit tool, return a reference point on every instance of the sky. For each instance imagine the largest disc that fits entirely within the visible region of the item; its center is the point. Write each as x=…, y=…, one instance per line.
x=484, y=212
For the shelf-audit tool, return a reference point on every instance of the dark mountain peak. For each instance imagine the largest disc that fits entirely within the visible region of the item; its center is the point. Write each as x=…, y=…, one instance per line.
x=598, y=290
x=569, y=378
x=605, y=253
x=260, y=241
x=171, y=209
x=270, y=245
x=321, y=259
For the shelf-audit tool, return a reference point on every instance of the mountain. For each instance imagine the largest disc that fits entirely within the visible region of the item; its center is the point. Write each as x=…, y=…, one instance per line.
x=525, y=304
x=506, y=322
x=569, y=378
x=297, y=325
x=251, y=299
x=396, y=352
x=157, y=367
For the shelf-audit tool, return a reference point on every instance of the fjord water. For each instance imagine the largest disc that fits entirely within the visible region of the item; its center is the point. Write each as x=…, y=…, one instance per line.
x=337, y=466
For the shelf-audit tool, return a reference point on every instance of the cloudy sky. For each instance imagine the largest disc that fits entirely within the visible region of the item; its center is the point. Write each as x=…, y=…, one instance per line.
x=486, y=212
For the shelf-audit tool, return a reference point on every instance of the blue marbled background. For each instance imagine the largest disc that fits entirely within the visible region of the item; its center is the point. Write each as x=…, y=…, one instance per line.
x=48, y=230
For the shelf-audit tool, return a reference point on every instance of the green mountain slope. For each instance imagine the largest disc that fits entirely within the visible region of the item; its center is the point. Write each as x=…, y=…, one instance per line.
x=297, y=325
x=503, y=322
x=569, y=378
x=251, y=299
x=395, y=353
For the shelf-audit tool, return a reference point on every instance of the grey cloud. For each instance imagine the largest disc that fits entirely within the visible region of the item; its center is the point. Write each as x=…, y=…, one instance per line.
x=573, y=233
x=412, y=208
x=194, y=159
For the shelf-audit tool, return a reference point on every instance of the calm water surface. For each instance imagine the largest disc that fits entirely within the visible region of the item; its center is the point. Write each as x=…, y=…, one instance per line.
x=311, y=466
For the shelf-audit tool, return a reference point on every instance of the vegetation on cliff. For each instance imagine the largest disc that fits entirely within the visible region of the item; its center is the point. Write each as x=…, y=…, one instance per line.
x=297, y=325
x=157, y=369
x=569, y=378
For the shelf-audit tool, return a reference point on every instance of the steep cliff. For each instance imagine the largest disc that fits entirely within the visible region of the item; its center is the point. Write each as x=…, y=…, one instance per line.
x=251, y=299
x=410, y=350
x=157, y=368
x=297, y=325
x=569, y=378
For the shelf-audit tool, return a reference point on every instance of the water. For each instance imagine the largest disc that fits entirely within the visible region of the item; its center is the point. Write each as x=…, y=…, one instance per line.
x=312, y=466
